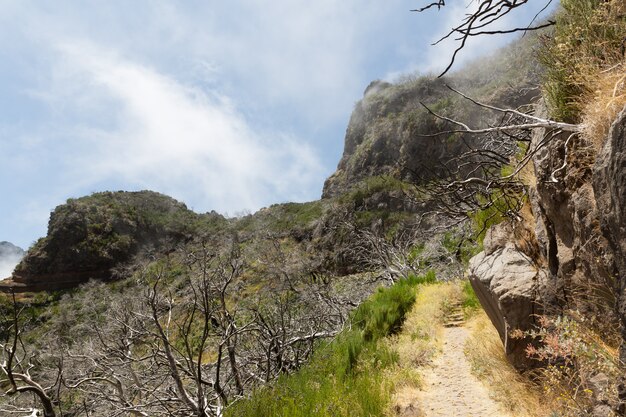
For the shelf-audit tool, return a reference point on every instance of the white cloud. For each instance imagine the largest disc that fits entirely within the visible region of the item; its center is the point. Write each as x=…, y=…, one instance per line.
x=216, y=103
x=438, y=56
x=7, y=264
x=180, y=140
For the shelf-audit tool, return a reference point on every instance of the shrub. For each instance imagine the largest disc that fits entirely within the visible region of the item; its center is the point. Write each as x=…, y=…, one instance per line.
x=482, y=220
x=383, y=314
x=574, y=354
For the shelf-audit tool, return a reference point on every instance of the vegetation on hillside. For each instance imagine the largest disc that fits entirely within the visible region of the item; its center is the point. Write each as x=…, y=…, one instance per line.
x=262, y=315
x=100, y=231
x=351, y=375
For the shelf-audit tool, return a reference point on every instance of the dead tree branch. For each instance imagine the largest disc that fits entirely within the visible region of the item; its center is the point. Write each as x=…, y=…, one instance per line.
x=485, y=15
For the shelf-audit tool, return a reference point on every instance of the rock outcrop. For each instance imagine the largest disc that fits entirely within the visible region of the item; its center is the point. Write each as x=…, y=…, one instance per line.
x=391, y=133
x=578, y=206
x=509, y=285
x=609, y=184
x=89, y=236
x=565, y=208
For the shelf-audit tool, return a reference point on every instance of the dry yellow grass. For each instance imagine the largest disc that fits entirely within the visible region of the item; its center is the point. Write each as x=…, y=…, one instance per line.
x=421, y=340
x=512, y=390
x=603, y=106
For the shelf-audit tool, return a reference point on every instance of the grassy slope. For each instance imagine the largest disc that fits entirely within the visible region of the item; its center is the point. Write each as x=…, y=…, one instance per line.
x=372, y=367
x=350, y=375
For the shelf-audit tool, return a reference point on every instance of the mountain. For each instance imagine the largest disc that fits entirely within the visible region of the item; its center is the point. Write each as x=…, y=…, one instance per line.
x=156, y=286
x=10, y=255
x=88, y=237
x=9, y=249
x=390, y=132
x=390, y=144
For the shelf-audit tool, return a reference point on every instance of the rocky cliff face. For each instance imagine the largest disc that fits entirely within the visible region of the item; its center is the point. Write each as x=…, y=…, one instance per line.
x=391, y=133
x=580, y=229
x=609, y=185
x=383, y=134
x=89, y=236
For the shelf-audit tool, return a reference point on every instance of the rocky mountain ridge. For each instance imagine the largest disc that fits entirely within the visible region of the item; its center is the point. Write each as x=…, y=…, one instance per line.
x=90, y=236
x=390, y=143
x=390, y=131
x=9, y=249
x=10, y=255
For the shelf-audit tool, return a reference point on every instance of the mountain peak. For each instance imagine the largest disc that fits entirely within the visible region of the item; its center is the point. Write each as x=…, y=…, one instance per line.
x=10, y=256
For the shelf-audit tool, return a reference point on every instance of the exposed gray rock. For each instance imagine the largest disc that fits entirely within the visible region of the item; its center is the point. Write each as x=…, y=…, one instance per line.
x=508, y=285
x=609, y=183
x=497, y=237
x=602, y=410
x=567, y=226
x=599, y=384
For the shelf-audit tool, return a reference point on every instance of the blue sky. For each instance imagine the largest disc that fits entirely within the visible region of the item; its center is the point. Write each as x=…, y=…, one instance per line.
x=224, y=105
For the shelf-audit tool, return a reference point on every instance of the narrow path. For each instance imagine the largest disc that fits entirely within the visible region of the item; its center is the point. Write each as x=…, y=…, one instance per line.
x=450, y=387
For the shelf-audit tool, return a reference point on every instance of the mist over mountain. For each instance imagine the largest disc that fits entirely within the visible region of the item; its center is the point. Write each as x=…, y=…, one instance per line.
x=471, y=239
x=10, y=256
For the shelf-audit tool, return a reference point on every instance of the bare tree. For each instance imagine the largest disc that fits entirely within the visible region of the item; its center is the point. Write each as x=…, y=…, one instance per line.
x=186, y=344
x=174, y=352
x=486, y=176
x=392, y=257
x=482, y=16
x=16, y=366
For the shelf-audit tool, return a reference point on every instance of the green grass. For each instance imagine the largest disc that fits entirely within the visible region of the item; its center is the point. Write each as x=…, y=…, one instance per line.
x=470, y=302
x=346, y=376
x=370, y=186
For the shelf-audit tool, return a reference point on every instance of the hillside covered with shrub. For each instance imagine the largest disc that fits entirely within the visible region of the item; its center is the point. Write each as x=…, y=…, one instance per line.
x=135, y=305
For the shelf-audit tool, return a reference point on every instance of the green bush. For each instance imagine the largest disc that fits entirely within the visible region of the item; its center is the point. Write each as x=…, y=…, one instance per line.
x=384, y=313
x=482, y=220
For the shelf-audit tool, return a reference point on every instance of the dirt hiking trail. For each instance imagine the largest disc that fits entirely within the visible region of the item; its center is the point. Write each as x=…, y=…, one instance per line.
x=449, y=389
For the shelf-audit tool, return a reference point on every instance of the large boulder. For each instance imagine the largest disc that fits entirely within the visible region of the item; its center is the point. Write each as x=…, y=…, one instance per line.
x=509, y=286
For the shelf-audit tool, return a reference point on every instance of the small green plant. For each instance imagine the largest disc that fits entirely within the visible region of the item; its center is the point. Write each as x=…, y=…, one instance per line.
x=496, y=206
x=470, y=301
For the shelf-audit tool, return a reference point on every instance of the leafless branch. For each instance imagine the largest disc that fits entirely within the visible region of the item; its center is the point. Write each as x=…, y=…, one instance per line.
x=486, y=14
